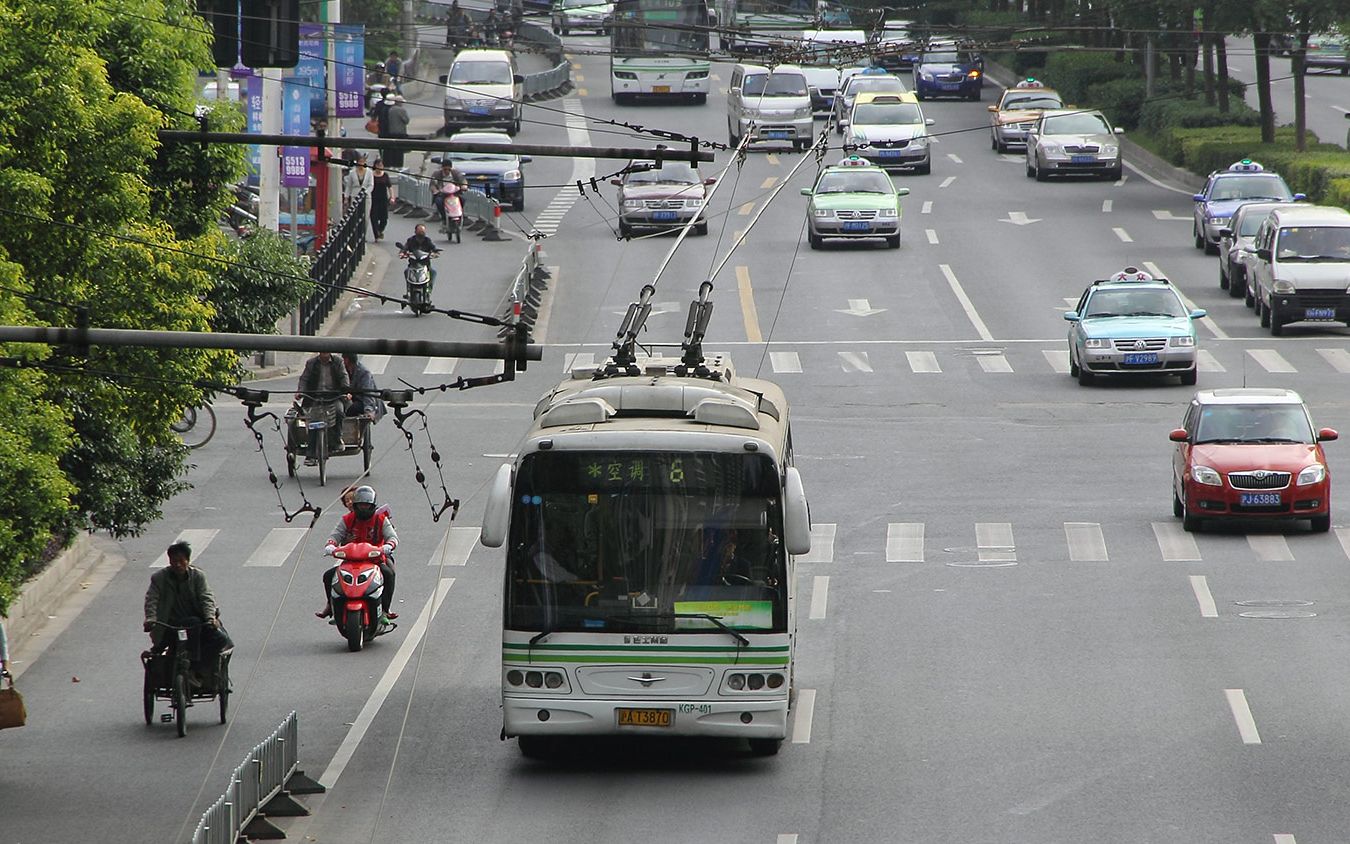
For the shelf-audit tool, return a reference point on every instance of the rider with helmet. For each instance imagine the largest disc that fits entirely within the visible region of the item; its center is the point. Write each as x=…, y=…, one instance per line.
x=364, y=523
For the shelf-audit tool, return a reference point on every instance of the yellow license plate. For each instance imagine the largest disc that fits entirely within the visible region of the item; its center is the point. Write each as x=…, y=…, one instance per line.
x=645, y=717
x=660, y=89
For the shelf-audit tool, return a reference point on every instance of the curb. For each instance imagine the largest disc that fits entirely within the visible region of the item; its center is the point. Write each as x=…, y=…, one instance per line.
x=1148, y=164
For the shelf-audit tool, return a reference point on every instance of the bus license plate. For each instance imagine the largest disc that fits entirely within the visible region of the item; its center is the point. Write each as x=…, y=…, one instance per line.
x=663, y=216
x=1319, y=313
x=660, y=89
x=857, y=227
x=1259, y=499
x=645, y=717
x=1142, y=358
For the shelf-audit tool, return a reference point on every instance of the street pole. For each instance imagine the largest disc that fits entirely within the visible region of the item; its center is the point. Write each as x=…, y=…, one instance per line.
x=269, y=166
x=332, y=14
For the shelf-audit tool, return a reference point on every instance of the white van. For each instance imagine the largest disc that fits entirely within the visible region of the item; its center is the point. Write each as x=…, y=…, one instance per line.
x=839, y=54
x=770, y=105
x=1301, y=271
x=483, y=90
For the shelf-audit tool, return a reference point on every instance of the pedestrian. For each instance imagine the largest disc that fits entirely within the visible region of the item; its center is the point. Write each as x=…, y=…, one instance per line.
x=393, y=67
x=379, y=200
x=398, y=120
x=359, y=179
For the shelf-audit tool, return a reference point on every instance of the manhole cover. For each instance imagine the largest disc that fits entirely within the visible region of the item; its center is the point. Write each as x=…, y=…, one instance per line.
x=979, y=564
x=1274, y=604
x=1277, y=614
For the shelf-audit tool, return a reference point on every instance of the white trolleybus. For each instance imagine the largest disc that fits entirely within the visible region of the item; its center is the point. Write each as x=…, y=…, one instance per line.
x=659, y=48
x=650, y=521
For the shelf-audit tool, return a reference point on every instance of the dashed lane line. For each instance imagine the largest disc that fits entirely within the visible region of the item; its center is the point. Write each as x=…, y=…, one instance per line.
x=1242, y=715
x=931, y=234
x=820, y=595
x=803, y=713
x=1122, y=234
x=1200, y=586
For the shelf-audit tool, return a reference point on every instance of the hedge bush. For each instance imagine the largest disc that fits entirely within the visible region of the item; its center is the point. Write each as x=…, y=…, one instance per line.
x=1323, y=172
x=1072, y=74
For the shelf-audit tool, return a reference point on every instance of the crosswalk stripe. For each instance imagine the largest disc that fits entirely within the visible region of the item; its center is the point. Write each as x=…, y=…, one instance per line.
x=921, y=362
x=904, y=542
x=1175, y=544
x=375, y=363
x=455, y=546
x=1058, y=359
x=994, y=363
x=820, y=595
x=785, y=361
x=822, y=545
x=276, y=547
x=1338, y=358
x=198, y=538
x=1086, y=543
x=1206, y=362
x=580, y=359
x=441, y=366
x=1270, y=547
x=1271, y=360
x=1343, y=536
x=855, y=362
x=994, y=542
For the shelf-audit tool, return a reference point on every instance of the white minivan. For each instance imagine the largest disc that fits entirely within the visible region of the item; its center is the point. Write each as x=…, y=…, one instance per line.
x=769, y=105
x=1301, y=270
x=483, y=90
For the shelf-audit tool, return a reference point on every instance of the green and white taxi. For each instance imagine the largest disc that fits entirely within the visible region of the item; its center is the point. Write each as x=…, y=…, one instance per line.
x=853, y=199
x=1132, y=324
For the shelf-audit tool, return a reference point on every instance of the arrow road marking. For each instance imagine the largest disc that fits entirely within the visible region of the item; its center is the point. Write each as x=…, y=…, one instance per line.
x=859, y=307
x=1020, y=218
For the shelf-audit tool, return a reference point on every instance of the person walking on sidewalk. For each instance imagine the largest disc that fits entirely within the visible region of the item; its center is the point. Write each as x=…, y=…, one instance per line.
x=359, y=179
x=379, y=199
x=398, y=120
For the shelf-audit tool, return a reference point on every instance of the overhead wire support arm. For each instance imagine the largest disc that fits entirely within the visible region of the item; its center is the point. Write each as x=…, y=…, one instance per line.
x=434, y=145
x=625, y=342
x=695, y=328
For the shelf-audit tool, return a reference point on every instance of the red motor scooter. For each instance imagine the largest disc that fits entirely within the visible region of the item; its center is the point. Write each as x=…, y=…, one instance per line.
x=355, y=598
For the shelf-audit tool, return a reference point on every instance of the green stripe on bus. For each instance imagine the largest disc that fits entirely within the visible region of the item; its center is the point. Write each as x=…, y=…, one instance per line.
x=524, y=646
x=625, y=659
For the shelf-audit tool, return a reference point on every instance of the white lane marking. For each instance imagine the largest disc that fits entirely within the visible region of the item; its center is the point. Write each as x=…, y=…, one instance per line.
x=376, y=363
x=822, y=545
x=1168, y=216
x=768, y=183
x=855, y=362
x=904, y=542
x=391, y=674
x=1086, y=543
x=802, y=714
x=966, y=304
x=820, y=595
x=791, y=838
x=772, y=159
x=1174, y=543
x=947, y=181
x=1338, y=358
x=1207, y=322
x=1122, y=234
x=1120, y=182
x=455, y=546
x=1242, y=714
x=1200, y=586
x=922, y=362
x=1341, y=110
x=1106, y=206
x=1270, y=547
x=956, y=159
x=1283, y=837
x=785, y=362
x=1343, y=536
x=927, y=207
x=276, y=547
x=1152, y=181
x=932, y=236
x=1058, y=360
x=579, y=359
x=1271, y=360
x=198, y=538
x=1206, y=361
x=994, y=542
x=441, y=366
x=994, y=363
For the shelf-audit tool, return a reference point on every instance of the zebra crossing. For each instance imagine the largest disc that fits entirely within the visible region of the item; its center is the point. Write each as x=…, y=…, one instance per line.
x=281, y=545
x=546, y=222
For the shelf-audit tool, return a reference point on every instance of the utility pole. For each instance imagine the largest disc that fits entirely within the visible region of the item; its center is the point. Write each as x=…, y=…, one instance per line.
x=269, y=165
x=332, y=14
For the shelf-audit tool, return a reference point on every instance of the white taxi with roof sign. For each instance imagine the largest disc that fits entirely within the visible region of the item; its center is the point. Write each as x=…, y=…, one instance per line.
x=891, y=130
x=1015, y=113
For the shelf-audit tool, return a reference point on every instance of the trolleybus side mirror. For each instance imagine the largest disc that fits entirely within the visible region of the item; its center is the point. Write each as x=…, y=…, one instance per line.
x=497, y=514
x=796, y=514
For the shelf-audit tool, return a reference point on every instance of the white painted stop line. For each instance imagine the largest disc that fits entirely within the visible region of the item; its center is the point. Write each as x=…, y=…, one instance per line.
x=785, y=362
x=994, y=542
x=1086, y=543
x=904, y=542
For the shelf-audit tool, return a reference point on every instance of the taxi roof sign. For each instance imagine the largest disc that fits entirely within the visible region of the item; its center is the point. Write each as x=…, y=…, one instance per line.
x=854, y=161
x=874, y=70
x=1131, y=274
x=1030, y=82
x=1246, y=165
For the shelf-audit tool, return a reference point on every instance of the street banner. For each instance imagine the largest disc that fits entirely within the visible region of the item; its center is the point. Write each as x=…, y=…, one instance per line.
x=295, y=121
x=253, y=114
x=349, y=53
x=311, y=67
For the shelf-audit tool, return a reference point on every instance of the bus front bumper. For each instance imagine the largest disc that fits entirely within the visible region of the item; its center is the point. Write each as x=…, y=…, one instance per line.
x=539, y=716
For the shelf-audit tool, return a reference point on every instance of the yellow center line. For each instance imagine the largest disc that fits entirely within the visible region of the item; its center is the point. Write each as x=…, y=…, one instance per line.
x=772, y=159
x=769, y=182
x=582, y=92
x=747, y=209
x=752, y=332
x=577, y=77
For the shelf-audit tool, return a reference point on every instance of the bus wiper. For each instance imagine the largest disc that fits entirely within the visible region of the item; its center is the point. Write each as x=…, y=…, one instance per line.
x=741, y=641
x=548, y=630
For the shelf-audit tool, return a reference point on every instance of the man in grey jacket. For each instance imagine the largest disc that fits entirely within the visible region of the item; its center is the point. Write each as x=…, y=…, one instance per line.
x=180, y=597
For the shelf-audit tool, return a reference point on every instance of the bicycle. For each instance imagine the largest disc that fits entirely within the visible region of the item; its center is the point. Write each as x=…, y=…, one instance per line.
x=186, y=426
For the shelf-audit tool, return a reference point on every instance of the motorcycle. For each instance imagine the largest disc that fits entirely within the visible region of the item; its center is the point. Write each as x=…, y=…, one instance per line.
x=355, y=596
x=417, y=279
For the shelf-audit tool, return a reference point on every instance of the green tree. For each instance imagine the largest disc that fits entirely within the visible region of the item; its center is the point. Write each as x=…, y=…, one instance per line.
x=264, y=282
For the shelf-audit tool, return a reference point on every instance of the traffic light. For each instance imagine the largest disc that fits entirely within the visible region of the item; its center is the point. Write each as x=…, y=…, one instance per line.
x=223, y=16
x=269, y=33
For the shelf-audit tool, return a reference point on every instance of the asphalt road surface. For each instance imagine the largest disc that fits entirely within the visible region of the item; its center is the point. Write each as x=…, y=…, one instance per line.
x=1047, y=658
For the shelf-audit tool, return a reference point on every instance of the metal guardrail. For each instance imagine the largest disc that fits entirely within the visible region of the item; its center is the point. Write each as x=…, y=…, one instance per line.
x=260, y=787
x=482, y=213
x=334, y=266
x=553, y=82
x=527, y=291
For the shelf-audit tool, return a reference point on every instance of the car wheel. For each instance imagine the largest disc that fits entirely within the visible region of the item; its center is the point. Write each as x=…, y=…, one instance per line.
x=1073, y=365
x=1031, y=171
x=1190, y=376
x=1041, y=175
x=1199, y=237
x=625, y=230
x=1085, y=376
x=1264, y=313
x=700, y=99
x=1276, y=323
x=1223, y=278
x=701, y=228
x=1248, y=298
x=1211, y=248
x=1320, y=524
x=816, y=241
x=1189, y=523
x=1178, y=510
x=893, y=242
x=1237, y=286
x=566, y=31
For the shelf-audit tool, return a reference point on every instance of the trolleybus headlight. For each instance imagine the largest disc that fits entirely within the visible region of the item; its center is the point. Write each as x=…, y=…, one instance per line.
x=756, y=682
x=775, y=681
x=514, y=677
x=534, y=679
x=736, y=681
x=553, y=680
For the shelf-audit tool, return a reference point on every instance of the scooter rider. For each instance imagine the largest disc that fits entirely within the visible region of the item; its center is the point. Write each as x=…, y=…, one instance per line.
x=364, y=523
x=420, y=242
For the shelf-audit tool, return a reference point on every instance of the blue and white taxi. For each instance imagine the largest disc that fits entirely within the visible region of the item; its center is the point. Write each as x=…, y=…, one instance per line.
x=1132, y=324
x=1225, y=190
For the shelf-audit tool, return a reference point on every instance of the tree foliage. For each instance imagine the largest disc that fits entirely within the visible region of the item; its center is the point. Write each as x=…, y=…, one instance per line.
x=262, y=284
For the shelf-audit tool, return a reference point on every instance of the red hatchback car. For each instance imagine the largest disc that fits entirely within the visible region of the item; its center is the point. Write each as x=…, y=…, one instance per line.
x=1250, y=453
